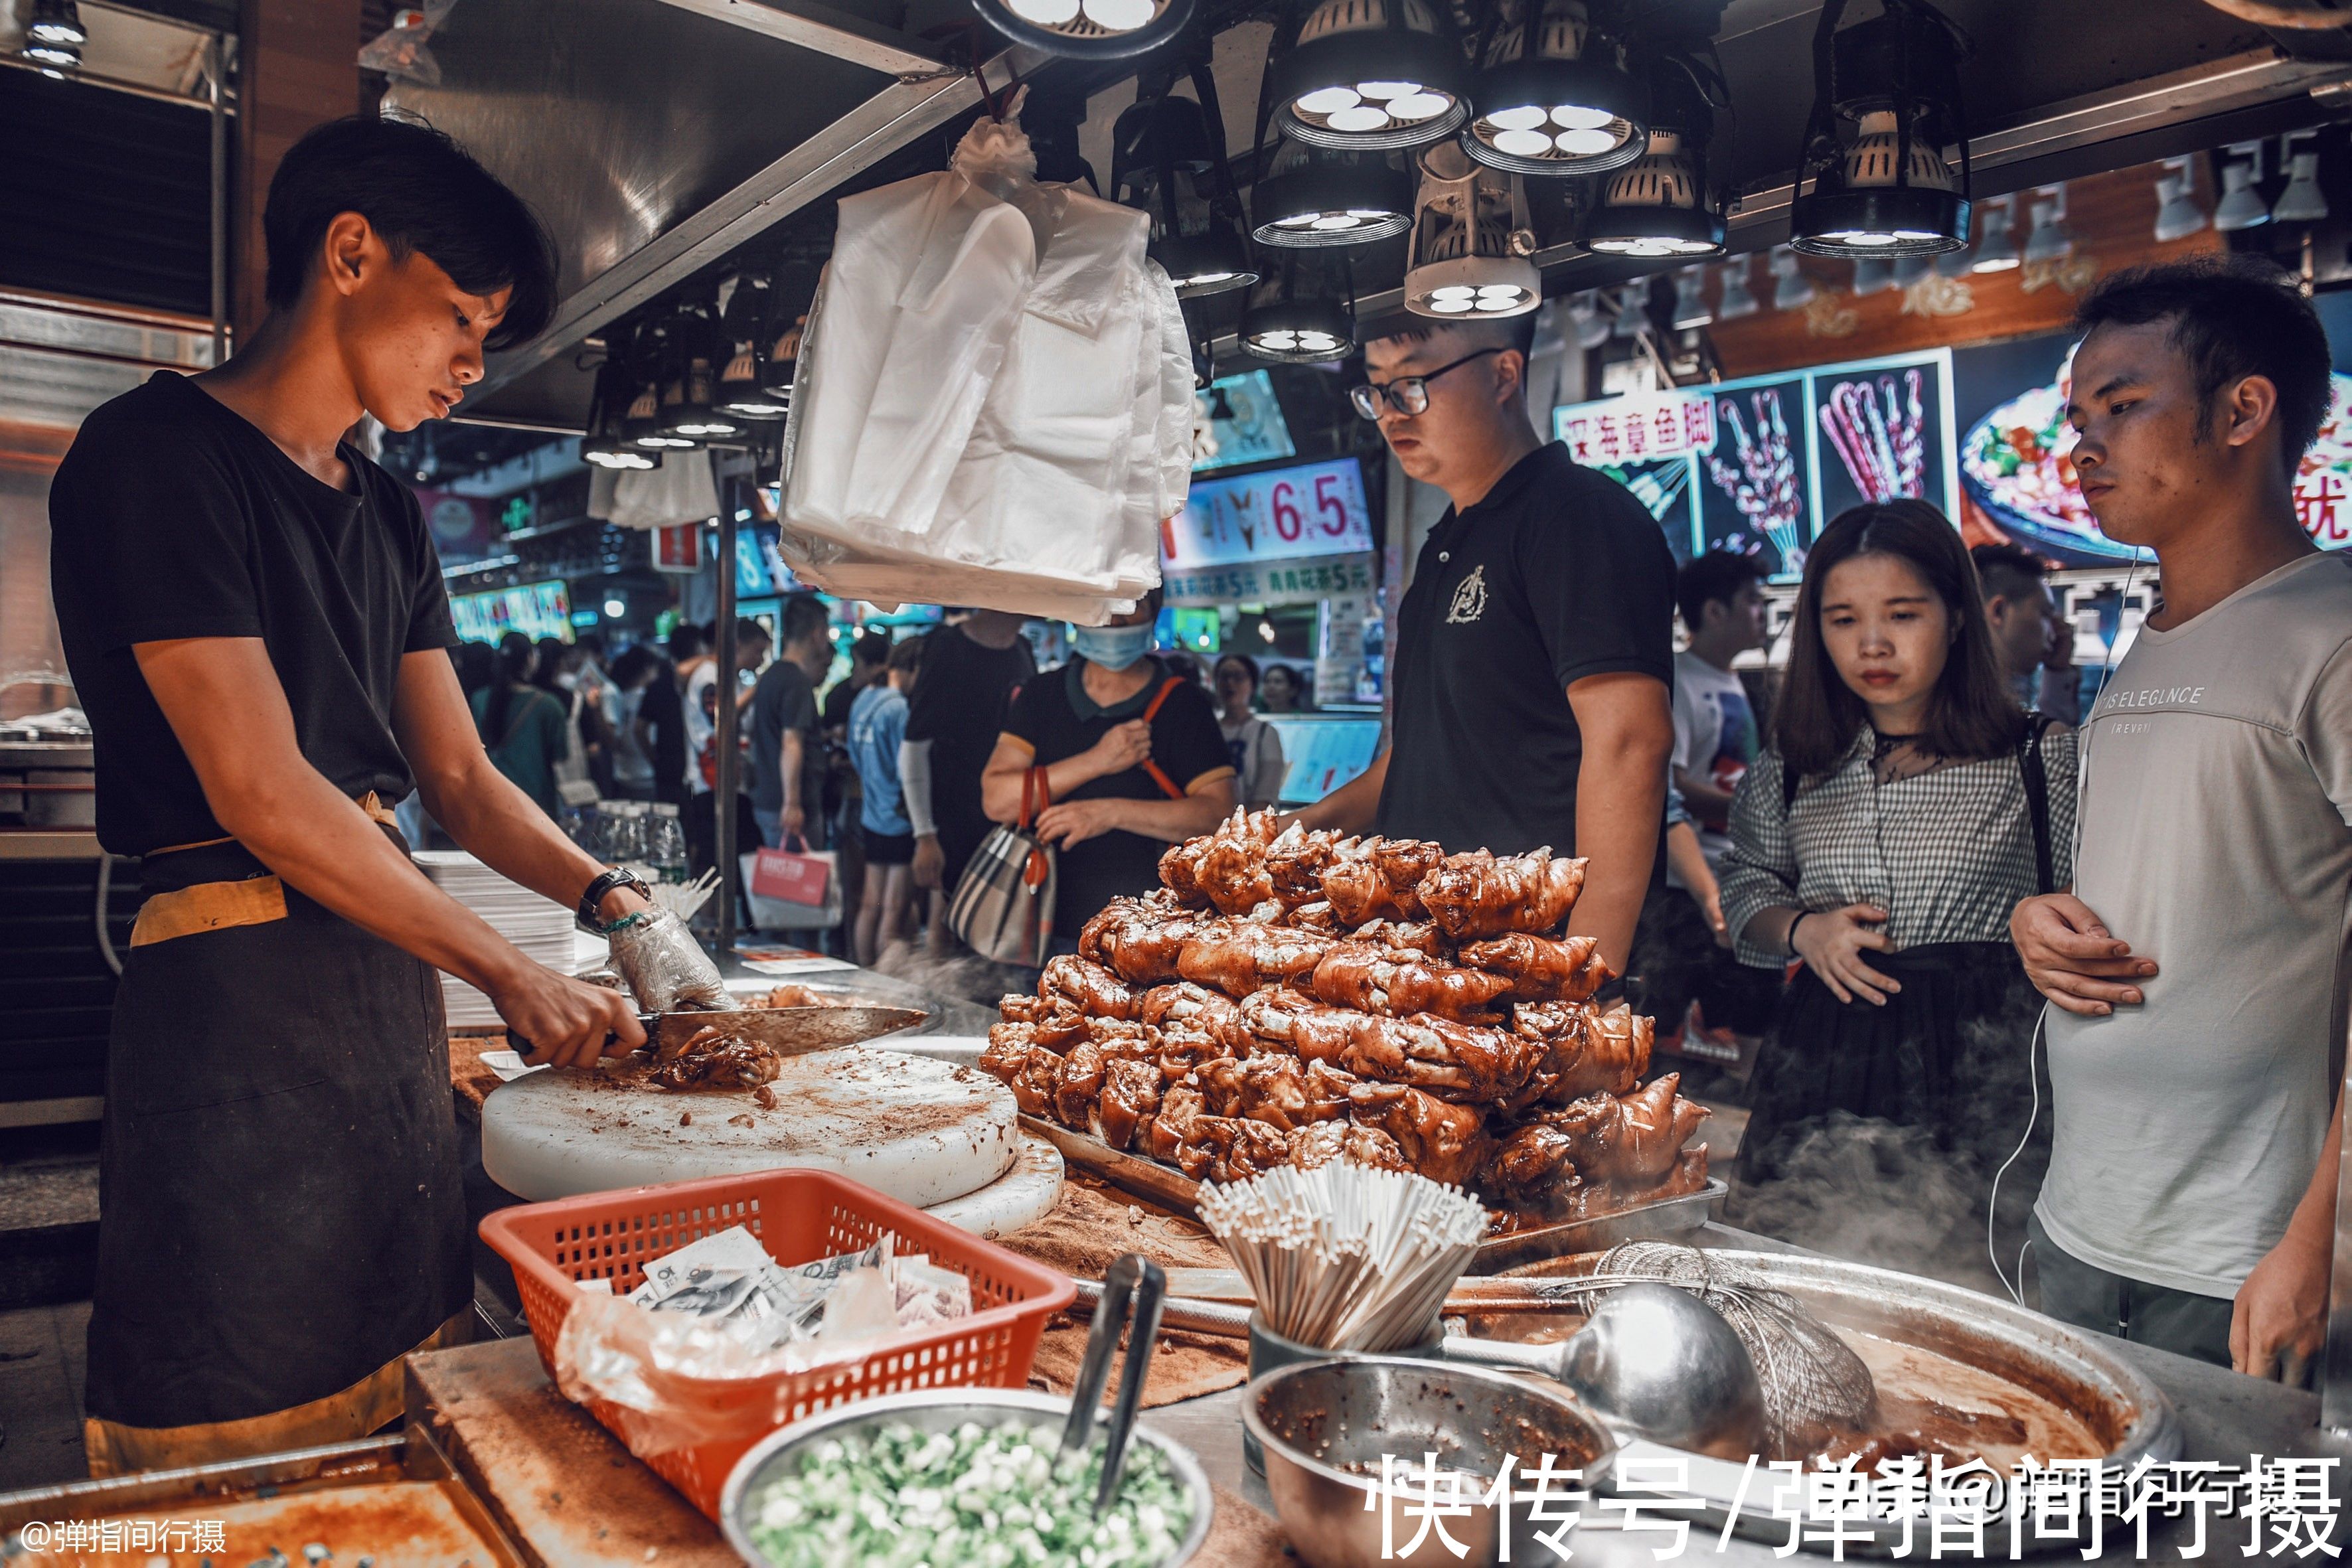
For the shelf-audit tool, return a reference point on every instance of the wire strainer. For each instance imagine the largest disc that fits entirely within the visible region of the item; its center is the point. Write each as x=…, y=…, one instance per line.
x=1812, y=1379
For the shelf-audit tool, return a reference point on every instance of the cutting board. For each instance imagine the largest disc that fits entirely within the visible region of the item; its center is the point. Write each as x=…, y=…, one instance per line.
x=922, y=1132
x=1023, y=1196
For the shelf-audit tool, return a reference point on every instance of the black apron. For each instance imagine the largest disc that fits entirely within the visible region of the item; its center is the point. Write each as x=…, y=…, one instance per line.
x=278, y=1178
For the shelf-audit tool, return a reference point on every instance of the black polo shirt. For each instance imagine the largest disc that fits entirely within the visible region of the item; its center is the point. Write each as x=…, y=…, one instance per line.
x=1556, y=574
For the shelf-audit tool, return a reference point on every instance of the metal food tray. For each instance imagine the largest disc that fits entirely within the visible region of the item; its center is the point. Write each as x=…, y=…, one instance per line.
x=390, y=1491
x=1173, y=1189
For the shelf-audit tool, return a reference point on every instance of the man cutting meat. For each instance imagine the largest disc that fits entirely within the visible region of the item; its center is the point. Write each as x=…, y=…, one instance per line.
x=1534, y=651
x=255, y=619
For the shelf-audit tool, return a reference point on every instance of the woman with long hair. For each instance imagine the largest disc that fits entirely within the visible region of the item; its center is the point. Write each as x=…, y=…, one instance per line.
x=1904, y=807
x=524, y=728
x=1255, y=745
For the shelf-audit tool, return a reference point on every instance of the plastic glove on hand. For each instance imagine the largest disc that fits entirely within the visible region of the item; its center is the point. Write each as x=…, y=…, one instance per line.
x=666, y=968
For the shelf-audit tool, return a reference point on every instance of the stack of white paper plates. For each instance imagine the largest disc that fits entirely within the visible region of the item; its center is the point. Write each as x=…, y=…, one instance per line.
x=540, y=927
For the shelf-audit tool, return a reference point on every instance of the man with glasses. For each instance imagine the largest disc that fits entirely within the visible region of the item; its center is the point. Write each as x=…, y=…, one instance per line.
x=1533, y=654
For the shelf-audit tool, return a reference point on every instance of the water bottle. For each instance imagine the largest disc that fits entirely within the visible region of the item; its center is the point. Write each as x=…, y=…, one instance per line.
x=666, y=843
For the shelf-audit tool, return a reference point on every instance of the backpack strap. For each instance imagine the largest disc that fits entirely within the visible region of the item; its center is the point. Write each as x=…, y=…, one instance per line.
x=1151, y=711
x=2033, y=772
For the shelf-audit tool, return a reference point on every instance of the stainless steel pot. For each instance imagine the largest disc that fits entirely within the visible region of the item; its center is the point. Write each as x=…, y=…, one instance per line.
x=780, y=1453
x=1325, y=1425
x=2126, y=1412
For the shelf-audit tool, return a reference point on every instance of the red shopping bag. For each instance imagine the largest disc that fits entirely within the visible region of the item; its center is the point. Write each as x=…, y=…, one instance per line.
x=792, y=875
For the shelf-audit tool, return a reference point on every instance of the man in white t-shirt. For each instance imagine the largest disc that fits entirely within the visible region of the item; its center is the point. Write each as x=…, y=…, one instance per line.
x=1682, y=952
x=1721, y=595
x=2198, y=970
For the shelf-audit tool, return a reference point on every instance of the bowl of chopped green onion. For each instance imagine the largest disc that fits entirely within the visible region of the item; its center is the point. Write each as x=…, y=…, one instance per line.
x=958, y=1475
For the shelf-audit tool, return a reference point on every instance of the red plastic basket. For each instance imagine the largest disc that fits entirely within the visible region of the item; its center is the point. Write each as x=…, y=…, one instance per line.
x=800, y=1216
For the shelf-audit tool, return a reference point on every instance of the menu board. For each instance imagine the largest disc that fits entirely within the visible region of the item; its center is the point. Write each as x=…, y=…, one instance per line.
x=1280, y=535
x=2018, y=473
x=1758, y=466
x=535, y=609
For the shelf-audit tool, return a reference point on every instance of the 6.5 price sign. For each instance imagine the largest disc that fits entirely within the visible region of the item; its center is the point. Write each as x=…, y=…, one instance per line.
x=1315, y=508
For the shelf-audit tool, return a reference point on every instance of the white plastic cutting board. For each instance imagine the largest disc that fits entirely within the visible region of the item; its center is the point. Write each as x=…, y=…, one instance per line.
x=922, y=1132
x=1023, y=1196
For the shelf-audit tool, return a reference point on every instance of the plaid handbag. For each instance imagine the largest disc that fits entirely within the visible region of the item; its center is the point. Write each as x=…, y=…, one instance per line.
x=1003, y=907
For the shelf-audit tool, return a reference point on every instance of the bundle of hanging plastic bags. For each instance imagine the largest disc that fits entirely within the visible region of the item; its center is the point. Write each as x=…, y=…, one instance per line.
x=993, y=400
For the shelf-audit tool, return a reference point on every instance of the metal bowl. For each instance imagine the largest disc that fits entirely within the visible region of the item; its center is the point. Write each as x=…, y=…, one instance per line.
x=1325, y=1425
x=940, y=1410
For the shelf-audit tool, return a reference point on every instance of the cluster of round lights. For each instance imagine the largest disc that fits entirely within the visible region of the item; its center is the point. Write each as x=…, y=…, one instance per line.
x=1371, y=106
x=1652, y=246
x=1565, y=130
x=1335, y=222
x=1282, y=339
x=618, y=457
x=1869, y=239
x=1461, y=298
x=1111, y=16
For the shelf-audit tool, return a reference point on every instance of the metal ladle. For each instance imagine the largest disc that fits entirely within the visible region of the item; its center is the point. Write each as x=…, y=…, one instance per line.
x=1652, y=1362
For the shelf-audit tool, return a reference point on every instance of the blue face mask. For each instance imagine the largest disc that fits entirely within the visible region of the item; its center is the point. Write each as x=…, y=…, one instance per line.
x=1112, y=648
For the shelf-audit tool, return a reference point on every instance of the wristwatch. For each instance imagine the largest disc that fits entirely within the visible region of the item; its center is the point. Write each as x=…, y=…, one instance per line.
x=594, y=898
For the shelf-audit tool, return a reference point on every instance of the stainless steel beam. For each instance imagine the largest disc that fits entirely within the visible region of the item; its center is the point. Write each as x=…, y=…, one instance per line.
x=814, y=26
x=868, y=133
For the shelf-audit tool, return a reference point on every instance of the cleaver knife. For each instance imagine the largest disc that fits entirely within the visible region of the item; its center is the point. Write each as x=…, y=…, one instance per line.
x=787, y=1031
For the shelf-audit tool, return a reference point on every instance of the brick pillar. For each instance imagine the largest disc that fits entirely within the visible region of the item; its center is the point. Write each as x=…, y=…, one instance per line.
x=297, y=66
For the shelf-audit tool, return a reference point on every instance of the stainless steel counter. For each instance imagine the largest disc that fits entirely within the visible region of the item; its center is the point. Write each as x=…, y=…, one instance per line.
x=949, y=1014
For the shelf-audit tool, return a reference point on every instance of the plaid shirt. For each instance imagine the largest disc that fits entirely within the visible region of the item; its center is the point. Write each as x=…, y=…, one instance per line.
x=1947, y=854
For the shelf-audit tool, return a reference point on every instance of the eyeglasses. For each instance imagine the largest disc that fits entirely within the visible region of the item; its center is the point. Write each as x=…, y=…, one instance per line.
x=1408, y=394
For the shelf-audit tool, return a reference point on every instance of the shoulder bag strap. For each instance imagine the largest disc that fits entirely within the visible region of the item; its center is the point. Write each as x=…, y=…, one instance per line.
x=1160, y=775
x=2033, y=772
x=1036, y=785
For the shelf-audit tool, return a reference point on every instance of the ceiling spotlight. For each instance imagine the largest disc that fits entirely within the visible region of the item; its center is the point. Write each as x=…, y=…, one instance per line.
x=1664, y=204
x=1691, y=309
x=606, y=444
x=1088, y=30
x=1791, y=289
x=2301, y=202
x=1633, y=317
x=53, y=58
x=1197, y=242
x=1738, y=300
x=746, y=336
x=1887, y=192
x=2242, y=206
x=1308, y=318
x=1997, y=252
x=1584, y=315
x=1873, y=274
x=1555, y=96
x=1371, y=74
x=57, y=22
x=2048, y=240
x=1463, y=260
x=2177, y=215
x=1317, y=198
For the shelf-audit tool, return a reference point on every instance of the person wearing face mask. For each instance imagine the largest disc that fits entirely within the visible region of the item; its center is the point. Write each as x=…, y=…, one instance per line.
x=1903, y=808
x=1133, y=761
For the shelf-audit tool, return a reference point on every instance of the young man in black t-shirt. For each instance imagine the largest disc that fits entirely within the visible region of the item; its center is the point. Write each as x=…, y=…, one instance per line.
x=1533, y=653
x=255, y=619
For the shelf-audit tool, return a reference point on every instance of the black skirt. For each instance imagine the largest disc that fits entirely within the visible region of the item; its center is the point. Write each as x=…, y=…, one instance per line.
x=1907, y=1110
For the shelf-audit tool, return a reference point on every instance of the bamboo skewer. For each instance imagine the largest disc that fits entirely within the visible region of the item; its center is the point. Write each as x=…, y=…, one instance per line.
x=1345, y=1256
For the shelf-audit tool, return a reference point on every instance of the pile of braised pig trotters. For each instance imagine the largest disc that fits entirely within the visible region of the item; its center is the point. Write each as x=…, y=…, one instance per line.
x=1299, y=997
